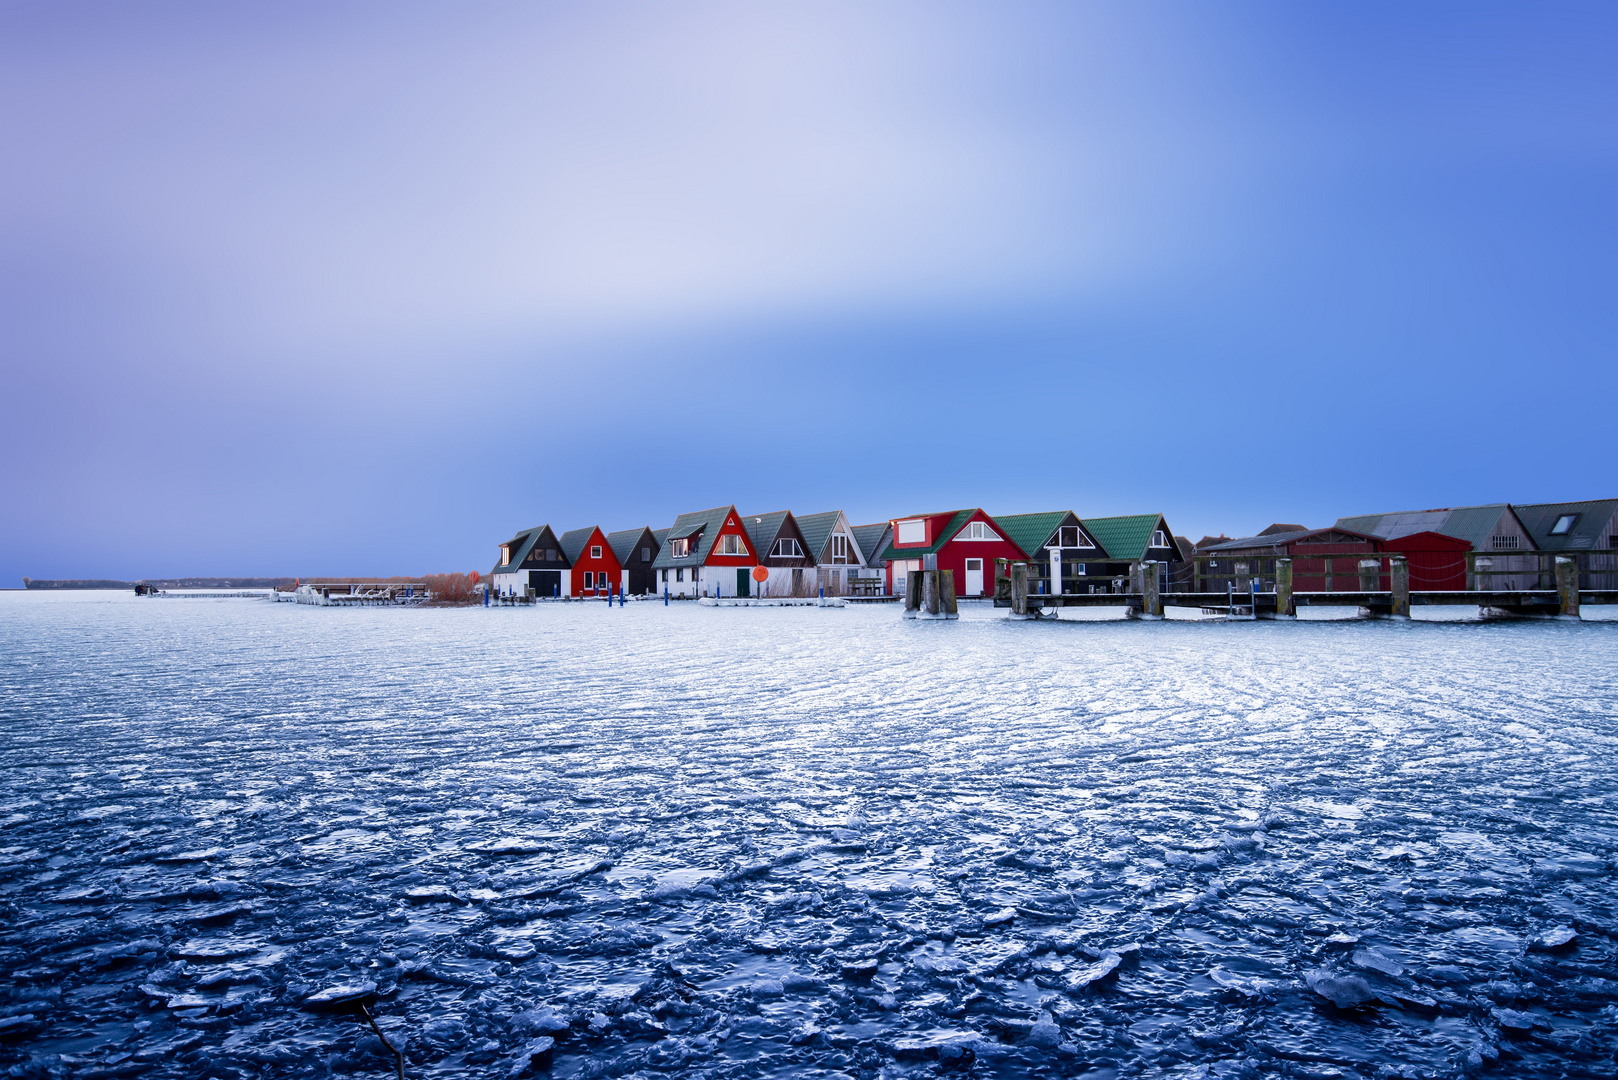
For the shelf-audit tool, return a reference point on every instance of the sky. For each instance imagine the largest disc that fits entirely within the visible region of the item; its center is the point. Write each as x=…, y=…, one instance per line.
x=316, y=288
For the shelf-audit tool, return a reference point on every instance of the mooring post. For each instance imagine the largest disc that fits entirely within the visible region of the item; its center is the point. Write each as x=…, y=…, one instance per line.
x=1019, y=590
x=1283, y=588
x=1151, y=600
x=1567, y=586
x=1002, y=583
x=946, y=594
x=912, y=593
x=1401, y=587
x=929, y=592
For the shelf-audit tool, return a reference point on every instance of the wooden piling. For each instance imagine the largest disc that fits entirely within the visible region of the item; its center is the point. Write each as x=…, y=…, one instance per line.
x=1019, y=590
x=912, y=593
x=1283, y=589
x=1151, y=601
x=946, y=593
x=929, y=592
x=1002, y=583
x=1567, y=586
x=1400, y=573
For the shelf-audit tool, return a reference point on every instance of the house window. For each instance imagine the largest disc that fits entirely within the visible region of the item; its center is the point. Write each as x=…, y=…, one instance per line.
x=1071, y=536
x=679, y=549
x=913, y=531
x=505, y=554
x=1564, y=524
x=1503, y=543
x=787, y=548
x=595, y=551
x=1160, y=539
x=839, y=548
x=679, y=573
x=731, y=544
x=589, y=580
x=550, y=554
x=977, y=530
x=645, y=554
x=665, y=577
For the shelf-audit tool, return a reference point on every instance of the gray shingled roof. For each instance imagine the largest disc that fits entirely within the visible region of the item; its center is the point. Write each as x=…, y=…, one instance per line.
x=764, y=528
x=1589, y=526
x=573, y=541
x=1474, y=524
x=707, y=522
x=817, y=530
x=521, y=545
x=623, y=543
x=873, y=541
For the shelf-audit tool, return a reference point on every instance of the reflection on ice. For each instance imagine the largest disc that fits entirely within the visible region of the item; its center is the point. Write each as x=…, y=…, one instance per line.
x=800, y=842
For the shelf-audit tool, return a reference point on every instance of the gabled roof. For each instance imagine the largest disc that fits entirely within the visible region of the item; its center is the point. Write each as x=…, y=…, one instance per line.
x=573, y=541
x=520, y=545
x=1280, y=528
x=1129, y=537
x=762, y=529
x=1474, y=524
x=817, y=530
x=1030, y=531
x=873, y=540
x=1589, y=529
x=956, y=522
x=624, y=542
x=1328, y=535
x=707, y=523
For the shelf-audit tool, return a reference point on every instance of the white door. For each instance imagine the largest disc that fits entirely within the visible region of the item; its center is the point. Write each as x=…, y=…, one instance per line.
x=974, y=577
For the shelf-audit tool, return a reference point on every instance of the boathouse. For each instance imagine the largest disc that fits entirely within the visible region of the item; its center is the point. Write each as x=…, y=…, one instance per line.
x=596, y=570
x=707, y=553
x=1130, y=539
x=964, y=541
x=531, y=560
x=1065, y=558
x=1437, y=561
x=1493, y=530
x=839, y=559
x=783, y=552
x=636, y=550
x=1323, y=560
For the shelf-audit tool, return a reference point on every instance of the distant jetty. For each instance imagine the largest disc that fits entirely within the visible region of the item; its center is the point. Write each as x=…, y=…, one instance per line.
x=160, y=583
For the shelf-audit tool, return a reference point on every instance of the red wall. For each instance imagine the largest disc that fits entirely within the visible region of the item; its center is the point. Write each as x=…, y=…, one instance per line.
x=608, y=563
x=953, y=555
x=732, y=527
x=1436, y=561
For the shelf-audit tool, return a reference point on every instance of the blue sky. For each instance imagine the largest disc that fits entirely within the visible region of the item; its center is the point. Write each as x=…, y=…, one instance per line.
x=364, y=288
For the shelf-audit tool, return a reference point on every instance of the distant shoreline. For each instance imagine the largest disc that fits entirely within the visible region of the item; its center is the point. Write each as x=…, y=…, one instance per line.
x=62, y=584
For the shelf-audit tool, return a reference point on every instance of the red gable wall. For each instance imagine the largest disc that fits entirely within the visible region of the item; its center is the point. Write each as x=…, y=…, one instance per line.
x=732, y=527
x=607, y=563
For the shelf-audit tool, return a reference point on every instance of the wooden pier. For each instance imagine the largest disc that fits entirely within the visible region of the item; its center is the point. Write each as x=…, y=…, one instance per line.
x=1576, y=579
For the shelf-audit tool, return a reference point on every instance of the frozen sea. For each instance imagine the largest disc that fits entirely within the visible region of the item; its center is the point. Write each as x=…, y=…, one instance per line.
x=689, y=841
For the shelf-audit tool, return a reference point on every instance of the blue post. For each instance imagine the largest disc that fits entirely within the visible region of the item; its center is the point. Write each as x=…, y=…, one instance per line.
x=823, y=592
x=485, y=597
x=665, y=594
x=556, y=591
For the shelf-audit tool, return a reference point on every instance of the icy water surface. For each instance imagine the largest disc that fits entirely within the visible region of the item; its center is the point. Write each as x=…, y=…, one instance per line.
x=803, y=842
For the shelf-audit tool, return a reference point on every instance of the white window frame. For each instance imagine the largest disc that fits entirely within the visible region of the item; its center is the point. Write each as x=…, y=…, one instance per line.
x=589, y=579
x=910, y=531
x=1160, y=539
x=680, y=549
x=505, y=554
x=782, y=542
x=1503, y=543
x=839, y=548
x=976, y=530
x=732, y=544
x=595, y=551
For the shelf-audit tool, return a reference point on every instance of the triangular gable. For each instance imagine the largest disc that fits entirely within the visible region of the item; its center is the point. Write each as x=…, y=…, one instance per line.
x=1034, y=533
x=574, y=541
x=523, y=545
x=727, y=523
x=818, y=530
x=625, y=541
x=1130, y=537
x=768, y=530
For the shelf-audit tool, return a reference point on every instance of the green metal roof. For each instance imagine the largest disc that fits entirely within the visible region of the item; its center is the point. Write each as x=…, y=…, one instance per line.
x=1590, y=527
x=1128, y=537
x=1030, y=531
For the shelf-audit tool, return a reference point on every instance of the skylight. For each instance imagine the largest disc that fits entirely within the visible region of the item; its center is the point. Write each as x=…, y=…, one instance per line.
x=1563, y=524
